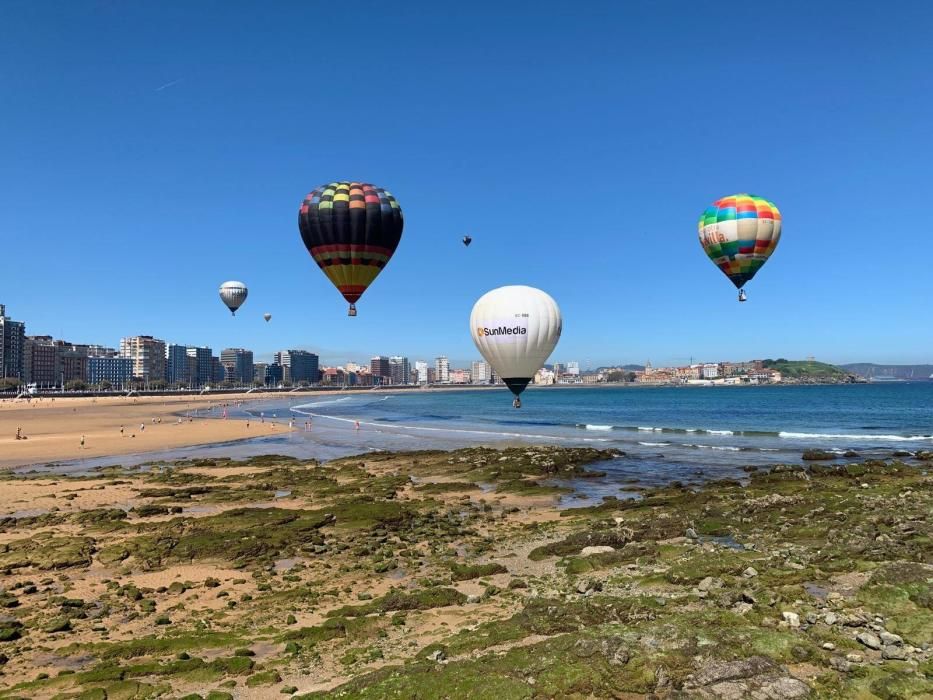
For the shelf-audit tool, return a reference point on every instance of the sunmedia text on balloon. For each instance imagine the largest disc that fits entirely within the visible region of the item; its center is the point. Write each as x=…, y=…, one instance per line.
x=502, y=330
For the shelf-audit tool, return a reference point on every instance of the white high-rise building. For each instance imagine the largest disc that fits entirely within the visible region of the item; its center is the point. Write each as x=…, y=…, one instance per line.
x=421, y=367
x=442, y=369
x=573, y=368
x=481, y=372
x=399, y=369
x=148, y=355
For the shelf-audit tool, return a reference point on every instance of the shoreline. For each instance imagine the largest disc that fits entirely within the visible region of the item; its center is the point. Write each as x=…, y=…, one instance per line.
x=54, y=428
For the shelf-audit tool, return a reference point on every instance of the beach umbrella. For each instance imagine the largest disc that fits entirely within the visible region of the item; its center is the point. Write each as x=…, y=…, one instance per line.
x=351, y=229
x=515, y=328
x=268, y=317
x=233, y=294
x=739, y=233
x=467, y=240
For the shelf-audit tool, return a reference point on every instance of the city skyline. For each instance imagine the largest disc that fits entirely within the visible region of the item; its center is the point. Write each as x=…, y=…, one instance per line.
x=44, y=361
x=198, y=366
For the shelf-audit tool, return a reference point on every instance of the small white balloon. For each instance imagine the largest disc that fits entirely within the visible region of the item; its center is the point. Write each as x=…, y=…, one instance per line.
x=516, y=328
x=233, y=294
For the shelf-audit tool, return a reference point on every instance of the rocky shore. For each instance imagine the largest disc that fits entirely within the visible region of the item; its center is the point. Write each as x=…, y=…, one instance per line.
x=454, y=575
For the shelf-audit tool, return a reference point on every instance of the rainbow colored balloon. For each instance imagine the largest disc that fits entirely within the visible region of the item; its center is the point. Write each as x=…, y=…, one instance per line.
x=739, y=233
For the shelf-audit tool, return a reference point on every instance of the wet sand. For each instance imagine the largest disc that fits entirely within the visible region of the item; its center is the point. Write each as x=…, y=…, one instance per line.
x=54, y=428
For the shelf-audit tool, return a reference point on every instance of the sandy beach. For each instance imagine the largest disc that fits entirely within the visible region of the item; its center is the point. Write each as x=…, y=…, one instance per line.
x=53, y=428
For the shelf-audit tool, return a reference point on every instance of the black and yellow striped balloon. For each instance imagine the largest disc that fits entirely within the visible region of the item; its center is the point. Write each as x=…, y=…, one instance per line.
x=351, y=230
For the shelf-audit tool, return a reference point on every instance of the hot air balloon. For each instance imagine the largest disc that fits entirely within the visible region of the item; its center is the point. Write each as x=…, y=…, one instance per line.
x=351, y=230
x=467, y=240
x=268, y=317
x=739, y=233
x=233, y=294
x=515, y=328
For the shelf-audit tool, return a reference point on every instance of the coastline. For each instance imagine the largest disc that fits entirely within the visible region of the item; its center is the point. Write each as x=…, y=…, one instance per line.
x=670, y=433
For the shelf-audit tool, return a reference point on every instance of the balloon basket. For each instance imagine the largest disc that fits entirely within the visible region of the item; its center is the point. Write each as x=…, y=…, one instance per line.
x=352, y=310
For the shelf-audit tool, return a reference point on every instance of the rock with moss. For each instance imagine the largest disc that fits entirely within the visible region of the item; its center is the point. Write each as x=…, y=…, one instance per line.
x=263, y=678
x=465, y=572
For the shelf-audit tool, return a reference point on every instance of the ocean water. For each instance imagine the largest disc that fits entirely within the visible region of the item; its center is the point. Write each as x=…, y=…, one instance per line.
x=685, y=433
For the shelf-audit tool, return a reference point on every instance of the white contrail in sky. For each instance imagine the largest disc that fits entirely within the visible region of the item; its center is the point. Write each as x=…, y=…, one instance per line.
x=168, y=85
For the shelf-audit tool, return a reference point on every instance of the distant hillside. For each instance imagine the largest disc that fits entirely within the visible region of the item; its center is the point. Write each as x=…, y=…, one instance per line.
x=805, y=369
x=627, y=368
x=870, y=370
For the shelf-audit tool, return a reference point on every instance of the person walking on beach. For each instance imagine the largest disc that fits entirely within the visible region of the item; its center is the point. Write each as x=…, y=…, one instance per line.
x=122, y=434
x=142, y=427
x=82, y=442
x=356, y=425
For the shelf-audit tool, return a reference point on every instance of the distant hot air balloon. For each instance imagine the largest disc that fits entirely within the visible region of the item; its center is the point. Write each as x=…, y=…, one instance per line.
x=739, y=233
x=233, y=294
x=268, y=317
x=515, y=328
x=351, y=230
x=467, y=240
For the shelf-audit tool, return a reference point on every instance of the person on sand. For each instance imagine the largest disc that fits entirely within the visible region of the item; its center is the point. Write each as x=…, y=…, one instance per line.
x=356, y=425
x=142, y=427
x=82, y=442
x=247, y=423
x=122, y=433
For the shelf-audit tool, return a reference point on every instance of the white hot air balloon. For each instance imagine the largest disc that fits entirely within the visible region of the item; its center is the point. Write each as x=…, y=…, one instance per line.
x=515, y=328
x=268, y=317
x=233, y=294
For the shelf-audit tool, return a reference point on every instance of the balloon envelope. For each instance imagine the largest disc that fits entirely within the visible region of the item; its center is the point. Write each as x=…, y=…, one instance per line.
x=351, y=229
x=739, y=233
x=268, y=317
x=467, y=240
x=233, y=294
x=515, y=328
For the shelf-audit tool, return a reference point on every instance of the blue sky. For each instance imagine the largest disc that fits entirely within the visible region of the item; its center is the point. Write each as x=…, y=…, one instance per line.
x=151, y=151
